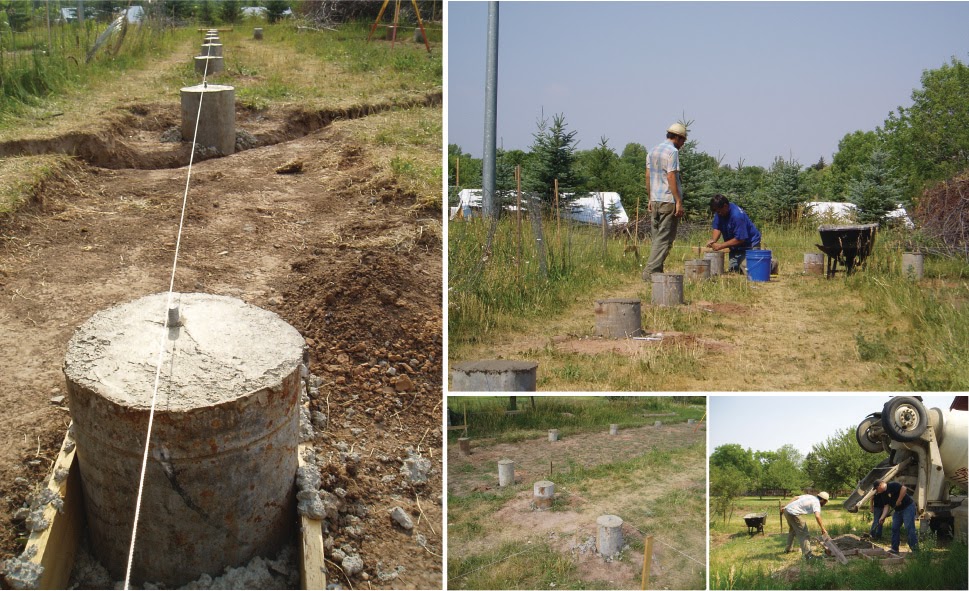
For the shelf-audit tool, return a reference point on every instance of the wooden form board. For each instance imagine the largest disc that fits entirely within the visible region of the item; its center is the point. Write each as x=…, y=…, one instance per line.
x=56, y=546
x=312, y=568
x=835, y=550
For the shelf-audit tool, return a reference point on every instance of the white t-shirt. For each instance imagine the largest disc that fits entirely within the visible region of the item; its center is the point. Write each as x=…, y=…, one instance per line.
x=804, y=505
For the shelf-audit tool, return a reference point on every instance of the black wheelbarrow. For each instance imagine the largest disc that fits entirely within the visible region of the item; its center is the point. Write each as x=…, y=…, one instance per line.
x=755, y=523
x=847, y=246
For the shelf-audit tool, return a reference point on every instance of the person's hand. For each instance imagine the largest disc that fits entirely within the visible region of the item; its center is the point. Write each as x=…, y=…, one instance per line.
x=824, y=532
x=679, y=211
x=649, y=206
x=715, y=247
x=710, y=244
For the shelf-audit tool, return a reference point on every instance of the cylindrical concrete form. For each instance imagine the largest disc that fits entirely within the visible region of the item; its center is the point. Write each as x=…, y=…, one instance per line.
x=465, y=445
x=217, y=124
x=696, y=269
x=716, y=262
x=913, y=264
x=614, y=429
x=691, y=421
x=211, y=50
x=257, y=33
x=553, y=434
x=544, y=492
x=494, y=375
x=209, y=66
x=219, y=485
x=667, y=289
x=609, y=535
x=658, y=424
x=814, y=263
x=506, y=472
x=618, y=318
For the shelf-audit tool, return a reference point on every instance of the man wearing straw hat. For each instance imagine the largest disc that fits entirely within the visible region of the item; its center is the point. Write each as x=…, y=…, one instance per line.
x=795, y=511
x=735, y=226
x=665, y=197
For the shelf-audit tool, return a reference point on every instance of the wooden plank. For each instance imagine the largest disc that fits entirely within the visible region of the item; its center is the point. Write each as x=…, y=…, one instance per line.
x=835, y=550
x=56, y=546
x=312, y=568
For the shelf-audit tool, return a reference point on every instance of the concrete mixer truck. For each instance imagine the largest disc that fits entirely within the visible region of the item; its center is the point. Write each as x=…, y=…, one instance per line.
x=927, y=452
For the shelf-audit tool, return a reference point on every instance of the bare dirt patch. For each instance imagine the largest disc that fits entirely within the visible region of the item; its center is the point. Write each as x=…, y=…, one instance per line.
x=340, y=251
x=635, y=347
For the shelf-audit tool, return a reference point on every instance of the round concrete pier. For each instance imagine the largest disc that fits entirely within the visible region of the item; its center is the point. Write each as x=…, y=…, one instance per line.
x=217, y=123
x=913, y=265
x=257, y=33
x=211, y=50
x=614, y=429
x=618, y=318
x=465, y=445
x=696, y=269
x=544, y=492
x=667, y=289
x=494, y=375
x=553, y=434
x=609, y=535
x=219, y=487
x=814, y=263
x=209, y=66
x=716, y=262
x=658, y=424
x=506, y=473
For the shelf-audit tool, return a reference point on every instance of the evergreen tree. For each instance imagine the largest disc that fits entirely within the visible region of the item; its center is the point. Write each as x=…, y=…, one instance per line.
x=878, y=191
x=553, y=157
x=230, y=11
x=275, y=9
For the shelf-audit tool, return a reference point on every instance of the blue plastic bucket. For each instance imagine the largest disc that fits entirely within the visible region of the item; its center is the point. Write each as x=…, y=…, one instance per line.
x=758, y=265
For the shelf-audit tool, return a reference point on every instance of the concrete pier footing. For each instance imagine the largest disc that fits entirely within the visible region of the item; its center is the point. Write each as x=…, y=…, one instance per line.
x=696, y=269
x=614, y=429
x=658, y=424
x=219, y=485
x=667, y=289
x=716, y=263
x=609, y=535
x=618, y=318
x=211, y=50
x=543, y=493
x=209, y=66
x=494, y=375
x=217, y=123
x=464, y=444
x=814, y=263
x=506, y=472
x=553, y=434
x=257, y=33
x=913, y=265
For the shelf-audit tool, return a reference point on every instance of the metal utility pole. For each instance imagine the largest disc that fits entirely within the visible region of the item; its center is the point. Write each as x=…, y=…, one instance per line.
x=488, y=208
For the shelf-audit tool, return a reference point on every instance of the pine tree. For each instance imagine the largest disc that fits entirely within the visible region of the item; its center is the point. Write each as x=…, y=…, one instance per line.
x=878, y=191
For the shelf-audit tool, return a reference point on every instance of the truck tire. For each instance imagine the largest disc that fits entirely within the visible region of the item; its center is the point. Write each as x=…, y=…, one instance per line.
x=904, y=418
x=864, y=431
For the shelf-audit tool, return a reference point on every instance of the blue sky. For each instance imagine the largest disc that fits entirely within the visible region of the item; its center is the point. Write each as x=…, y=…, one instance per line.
x=759, y=79
x=767, y=422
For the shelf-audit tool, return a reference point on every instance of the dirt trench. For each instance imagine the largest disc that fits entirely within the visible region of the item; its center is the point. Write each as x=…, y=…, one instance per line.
x=146, y=136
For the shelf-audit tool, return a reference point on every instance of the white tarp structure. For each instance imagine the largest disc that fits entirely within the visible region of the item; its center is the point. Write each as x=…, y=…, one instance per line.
x=587, y=209
x=837, y=211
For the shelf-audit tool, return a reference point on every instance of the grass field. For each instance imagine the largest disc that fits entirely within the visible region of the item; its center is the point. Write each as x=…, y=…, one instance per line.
x=874, y=330
x=741, y=561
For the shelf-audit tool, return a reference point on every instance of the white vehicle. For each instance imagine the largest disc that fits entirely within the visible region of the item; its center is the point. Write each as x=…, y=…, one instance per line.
x=927, y=452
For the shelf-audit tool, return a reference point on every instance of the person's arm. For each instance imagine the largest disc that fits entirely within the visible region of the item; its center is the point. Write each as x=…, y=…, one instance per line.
x=884, y=513
x=817, y=516
x=713, y=240
x=901, y=495
x=675, y=190
x=649, y=201
x=727, y=244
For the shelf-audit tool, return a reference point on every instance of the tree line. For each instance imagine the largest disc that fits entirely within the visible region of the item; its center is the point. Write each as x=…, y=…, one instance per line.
x=917, y=147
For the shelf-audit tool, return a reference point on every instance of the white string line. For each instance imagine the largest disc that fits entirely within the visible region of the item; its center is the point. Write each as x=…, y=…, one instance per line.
x=161, y=348
x=670, y=547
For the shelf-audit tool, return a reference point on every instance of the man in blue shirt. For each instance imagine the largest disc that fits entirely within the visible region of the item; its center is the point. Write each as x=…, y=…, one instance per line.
x=734, y=225
x=901, y=501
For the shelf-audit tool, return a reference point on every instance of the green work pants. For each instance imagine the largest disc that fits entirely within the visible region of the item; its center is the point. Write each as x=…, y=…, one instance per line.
x=663, y=223
x=800, y=530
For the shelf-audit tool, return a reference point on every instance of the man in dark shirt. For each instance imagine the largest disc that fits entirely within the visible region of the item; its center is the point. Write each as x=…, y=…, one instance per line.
x=734, y=225
x=879, y=502
x=899, y=499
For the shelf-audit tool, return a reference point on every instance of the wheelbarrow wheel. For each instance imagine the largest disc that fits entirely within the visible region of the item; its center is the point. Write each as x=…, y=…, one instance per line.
x=904, y=418
x=866, y=433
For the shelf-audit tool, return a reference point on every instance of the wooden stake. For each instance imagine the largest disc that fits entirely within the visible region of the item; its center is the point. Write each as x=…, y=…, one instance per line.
x=700, y=421
x=457, y=173
x=647, y=560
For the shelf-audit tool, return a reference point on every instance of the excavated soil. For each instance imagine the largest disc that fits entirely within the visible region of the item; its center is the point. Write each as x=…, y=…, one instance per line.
x=339, y=251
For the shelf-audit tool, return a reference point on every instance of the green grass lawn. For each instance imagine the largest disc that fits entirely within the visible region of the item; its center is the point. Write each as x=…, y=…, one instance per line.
x=742, y=561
